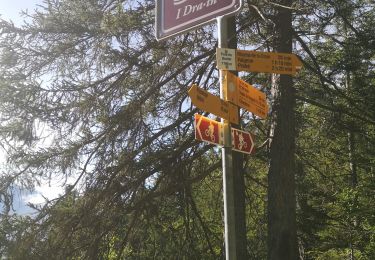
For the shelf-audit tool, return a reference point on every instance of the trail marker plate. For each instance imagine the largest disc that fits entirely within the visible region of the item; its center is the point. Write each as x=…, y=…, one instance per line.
x=245, y=95
x=208, y=130
x=211, y=131
x=206, y=101
x=257, y=61
x=242, y=141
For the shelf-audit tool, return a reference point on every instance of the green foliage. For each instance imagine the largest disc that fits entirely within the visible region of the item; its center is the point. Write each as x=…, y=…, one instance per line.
x=88, y=93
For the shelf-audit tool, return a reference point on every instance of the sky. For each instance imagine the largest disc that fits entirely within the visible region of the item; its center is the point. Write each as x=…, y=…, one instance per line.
x=10, y=10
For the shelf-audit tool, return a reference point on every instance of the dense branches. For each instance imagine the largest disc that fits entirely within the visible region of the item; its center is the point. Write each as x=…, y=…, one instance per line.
x=89, y=97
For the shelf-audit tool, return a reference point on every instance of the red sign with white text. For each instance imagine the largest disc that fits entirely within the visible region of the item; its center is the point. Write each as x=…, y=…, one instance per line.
x=208, y=130
x=242, y=141
x=177, y=16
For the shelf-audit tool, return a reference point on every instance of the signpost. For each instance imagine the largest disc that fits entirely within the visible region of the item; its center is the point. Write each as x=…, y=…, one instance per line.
x=213, y=104
x=178, y=16
x=242, y=141
x=256, y=61
x=208, y=130
x=245, y=95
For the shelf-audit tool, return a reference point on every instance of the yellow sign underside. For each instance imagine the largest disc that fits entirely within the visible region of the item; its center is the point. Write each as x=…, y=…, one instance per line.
x=213, y=104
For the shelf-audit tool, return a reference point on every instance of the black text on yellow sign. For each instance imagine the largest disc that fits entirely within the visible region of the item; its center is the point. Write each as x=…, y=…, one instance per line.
x=245, y=95
x=257, y=61
x=213, y=104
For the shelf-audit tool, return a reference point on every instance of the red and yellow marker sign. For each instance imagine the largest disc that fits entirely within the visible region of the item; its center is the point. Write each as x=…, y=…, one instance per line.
x=211, y=131
x=242, y=141
x=213, y=104
x=208, y=130
x=245, y=95
x=257, y=61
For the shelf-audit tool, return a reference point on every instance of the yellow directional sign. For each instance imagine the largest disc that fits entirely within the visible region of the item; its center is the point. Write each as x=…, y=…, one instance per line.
x=257, y=61
x=213, y=104
x=245, y=95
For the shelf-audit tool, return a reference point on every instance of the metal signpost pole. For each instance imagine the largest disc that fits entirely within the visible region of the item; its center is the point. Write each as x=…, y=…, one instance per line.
x=228, y=182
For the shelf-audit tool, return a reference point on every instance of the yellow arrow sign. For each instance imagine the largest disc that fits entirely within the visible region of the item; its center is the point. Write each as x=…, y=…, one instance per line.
x=245, y=95
x=213, y=104
x=257, y=61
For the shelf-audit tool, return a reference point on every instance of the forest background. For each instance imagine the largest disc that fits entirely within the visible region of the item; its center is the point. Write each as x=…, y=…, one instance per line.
x=88, y=94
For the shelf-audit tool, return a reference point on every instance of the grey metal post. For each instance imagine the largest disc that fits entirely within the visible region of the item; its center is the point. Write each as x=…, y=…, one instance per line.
x=228, y=182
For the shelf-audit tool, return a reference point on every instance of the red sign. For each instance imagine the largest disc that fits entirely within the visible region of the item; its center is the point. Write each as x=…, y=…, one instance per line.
x=242, y=141
x=208, y=130
x=177, y=16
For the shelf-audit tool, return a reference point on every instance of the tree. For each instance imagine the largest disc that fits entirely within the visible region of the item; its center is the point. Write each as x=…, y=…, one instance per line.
x=113, y=105
x=282, y=230
x=328, y=205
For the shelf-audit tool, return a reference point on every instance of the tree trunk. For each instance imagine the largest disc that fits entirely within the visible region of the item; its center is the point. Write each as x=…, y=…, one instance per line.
x=282, y=230
x=351, y=143
x=353, y=179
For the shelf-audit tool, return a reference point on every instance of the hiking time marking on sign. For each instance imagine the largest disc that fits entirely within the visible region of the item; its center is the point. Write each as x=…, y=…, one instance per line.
x=243, y=94
x=257, y=61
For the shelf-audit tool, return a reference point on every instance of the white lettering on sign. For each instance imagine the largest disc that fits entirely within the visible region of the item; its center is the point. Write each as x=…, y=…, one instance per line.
x=190, y=9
